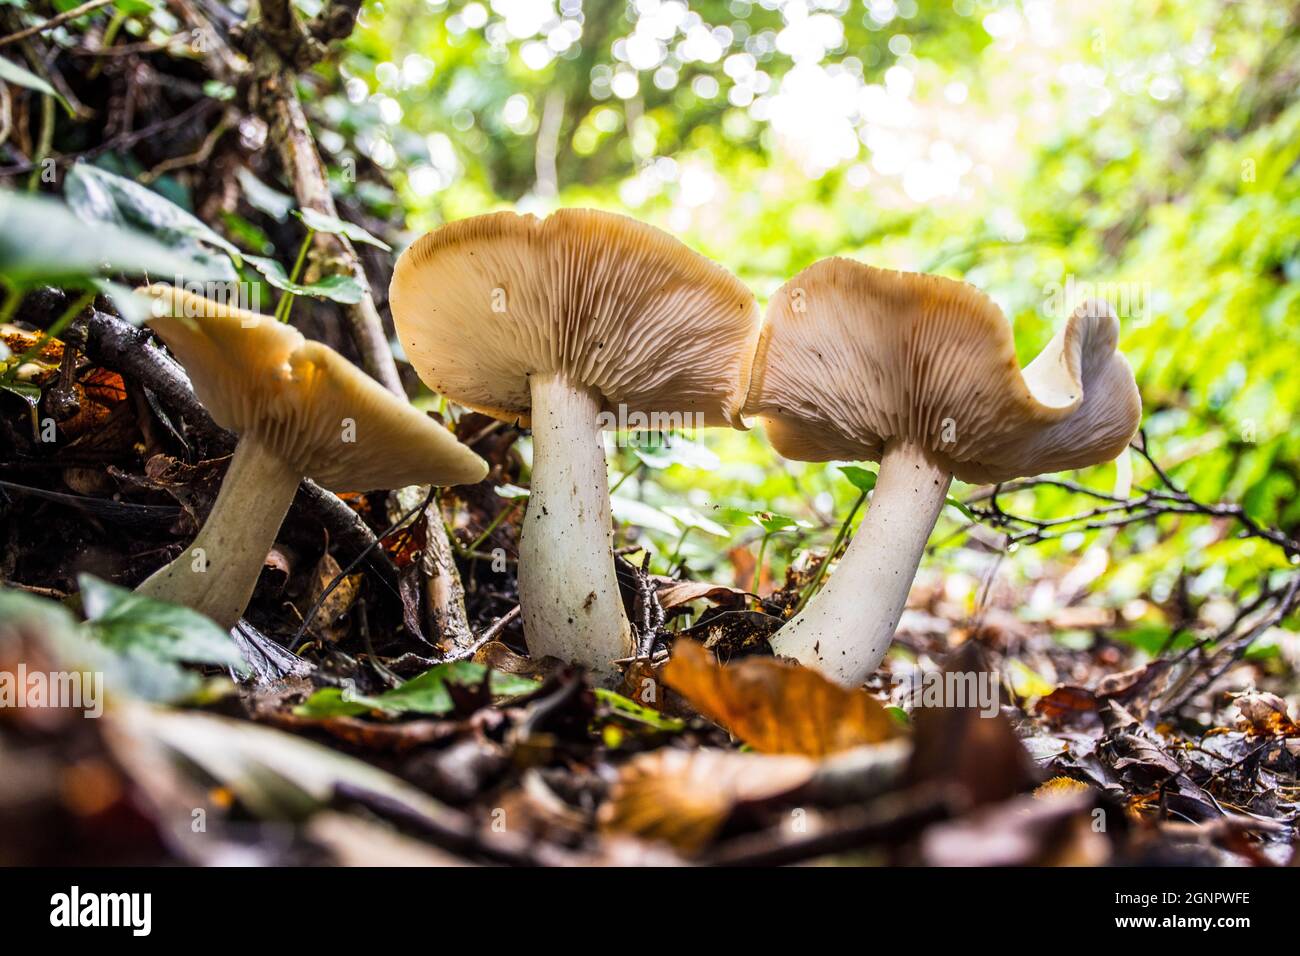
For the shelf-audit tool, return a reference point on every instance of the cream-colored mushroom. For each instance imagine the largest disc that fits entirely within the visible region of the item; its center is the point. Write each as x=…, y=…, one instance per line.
x=557, y=322
x=919, y=373
x=301, y=410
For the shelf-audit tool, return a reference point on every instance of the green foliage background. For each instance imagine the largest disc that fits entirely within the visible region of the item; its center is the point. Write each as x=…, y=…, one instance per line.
x=1153, y=147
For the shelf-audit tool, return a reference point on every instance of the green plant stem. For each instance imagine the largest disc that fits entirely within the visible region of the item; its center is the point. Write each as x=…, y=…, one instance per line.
x=672, y=562
x=285, y=305
x=492, y=526
x=626, y=475
x=758, y=565
x=830, y=556
x=13, y=299
x=43, y=144
x=53, y=331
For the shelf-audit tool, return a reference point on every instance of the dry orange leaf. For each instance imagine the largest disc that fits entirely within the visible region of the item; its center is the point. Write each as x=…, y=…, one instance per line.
x=683, y=797
x=776, y=708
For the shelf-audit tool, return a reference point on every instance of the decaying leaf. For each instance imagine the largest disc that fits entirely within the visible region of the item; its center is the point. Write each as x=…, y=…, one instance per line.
x=684, y=797
x=776, y=708
x=675, y=593
x=337, y=603
x=1265, y=715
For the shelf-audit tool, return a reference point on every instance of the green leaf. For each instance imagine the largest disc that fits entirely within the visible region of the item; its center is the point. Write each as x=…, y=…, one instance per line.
x=425, y=694
x=860, y=477
x=319, y=222
x=629, y=709
x=42, y=242
x=675, y=450
x=772, y=523
x=11, y=72
x=137, y=7
x=690, y=518
x=129, y=622
x=631, y=511
x=100, y=196
x=336, y=288
x=262, y=197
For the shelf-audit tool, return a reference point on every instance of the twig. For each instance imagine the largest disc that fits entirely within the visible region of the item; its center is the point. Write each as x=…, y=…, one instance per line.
x=122, y=141
x=54, y=21
x=198, y=156
x=890, y=819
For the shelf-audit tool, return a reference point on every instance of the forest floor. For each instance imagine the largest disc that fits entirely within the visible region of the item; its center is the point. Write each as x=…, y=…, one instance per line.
x=488, y=756
x=360, y=728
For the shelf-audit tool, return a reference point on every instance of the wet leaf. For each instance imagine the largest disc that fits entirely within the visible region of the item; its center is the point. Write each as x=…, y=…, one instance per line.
x=776, y=708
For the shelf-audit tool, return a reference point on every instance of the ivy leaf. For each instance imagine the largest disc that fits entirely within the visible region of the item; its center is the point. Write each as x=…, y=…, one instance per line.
x=128, y=622
x=861, y=478
x=628, y=709
x=319, y=222
x=631, y=511
x=97, y=195
x=43, y=242
x=690, y=518
x=336, y=288
x=675, y=450
x=262, y=197
x=11, y=72
x=426, y=694
x=773, y=523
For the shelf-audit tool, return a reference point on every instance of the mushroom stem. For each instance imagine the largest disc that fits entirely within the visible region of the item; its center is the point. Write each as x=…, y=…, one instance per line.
x=568, y=593
x=847, y=626
x=217, y=573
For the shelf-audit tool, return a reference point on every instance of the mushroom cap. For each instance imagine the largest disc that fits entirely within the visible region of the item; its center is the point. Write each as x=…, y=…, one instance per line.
x=852, y=357
x=305, y=402
x=610, y=303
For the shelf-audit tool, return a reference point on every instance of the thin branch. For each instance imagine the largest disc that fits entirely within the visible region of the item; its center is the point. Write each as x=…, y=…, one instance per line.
x=54, y=21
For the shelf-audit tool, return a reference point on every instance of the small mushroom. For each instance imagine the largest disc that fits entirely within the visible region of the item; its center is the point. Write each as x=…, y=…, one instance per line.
x=573, y=323
x=919, y=373
x=301, y=410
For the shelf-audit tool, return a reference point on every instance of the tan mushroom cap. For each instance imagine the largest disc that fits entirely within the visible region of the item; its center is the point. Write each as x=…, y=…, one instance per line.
x=852, y=357
x=304, y=401
x=610, y=303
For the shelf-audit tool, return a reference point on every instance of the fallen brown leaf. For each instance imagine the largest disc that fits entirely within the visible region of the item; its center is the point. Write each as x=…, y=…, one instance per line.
x=684, y=797
x=1265, y=715
x=774, y=707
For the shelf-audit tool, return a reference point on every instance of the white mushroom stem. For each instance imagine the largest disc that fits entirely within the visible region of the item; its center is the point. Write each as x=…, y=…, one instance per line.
x=846, y=627
x=568, y=593
x=217, y=573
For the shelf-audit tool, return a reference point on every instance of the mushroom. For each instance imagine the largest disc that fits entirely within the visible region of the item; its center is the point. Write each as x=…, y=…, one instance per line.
x=919, y=373
x=572, y=323
x=300, y=409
